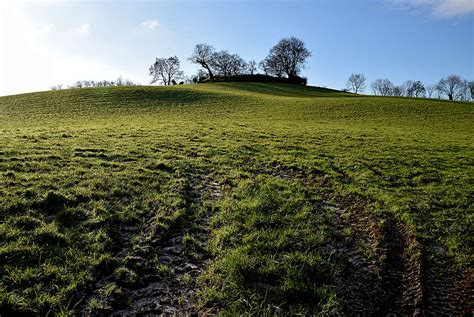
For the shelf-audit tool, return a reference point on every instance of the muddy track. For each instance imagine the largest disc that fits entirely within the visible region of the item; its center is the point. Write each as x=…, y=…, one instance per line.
x=381, y=264
x=386, y=271
x=385, y=268
x=448, y=293
x=167, y=263
x=381, y=260
x=401, y=271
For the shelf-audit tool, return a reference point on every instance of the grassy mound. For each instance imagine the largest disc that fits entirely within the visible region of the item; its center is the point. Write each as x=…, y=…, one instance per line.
x=234, y=197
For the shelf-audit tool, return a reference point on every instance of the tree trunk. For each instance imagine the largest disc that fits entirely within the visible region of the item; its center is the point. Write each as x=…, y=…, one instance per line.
x=211, y=75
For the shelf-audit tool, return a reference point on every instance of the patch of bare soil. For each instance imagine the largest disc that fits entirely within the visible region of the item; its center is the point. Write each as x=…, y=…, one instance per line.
x=386, y=271
x=166, y=264
x=401, y=271
x=381, y=266
x=447, y=292
x=360, y=281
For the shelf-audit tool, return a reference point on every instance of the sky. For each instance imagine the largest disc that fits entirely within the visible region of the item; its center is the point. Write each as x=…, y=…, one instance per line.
x=46, y=43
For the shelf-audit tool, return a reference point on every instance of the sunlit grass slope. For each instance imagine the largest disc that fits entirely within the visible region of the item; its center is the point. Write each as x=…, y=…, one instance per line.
x=264, y=185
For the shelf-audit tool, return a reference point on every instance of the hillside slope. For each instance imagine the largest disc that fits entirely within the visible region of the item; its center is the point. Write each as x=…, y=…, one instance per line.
x=234, y=197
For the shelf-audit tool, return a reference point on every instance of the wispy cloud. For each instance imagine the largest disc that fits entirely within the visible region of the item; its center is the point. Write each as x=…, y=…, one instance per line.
x=83, y=29
x=439, y=8
x=151, y=24
x=45, y=29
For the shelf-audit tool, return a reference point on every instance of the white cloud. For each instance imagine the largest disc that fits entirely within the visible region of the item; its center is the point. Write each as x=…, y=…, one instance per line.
x=439, y=8
x=83, y=29
x=151, y=24
x=454, y=8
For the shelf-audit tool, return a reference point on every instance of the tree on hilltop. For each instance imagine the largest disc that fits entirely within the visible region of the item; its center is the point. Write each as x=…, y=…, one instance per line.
x=288, y=57
x=251, y=67
x=356, y=83
x=430, y=90
x=226, y=64
x=165, y=70
x=382, y=87
x=203, y=55
x=470, y=86
x=271, y=67
x=452, y=87
x=398, y=91
x=414, y=88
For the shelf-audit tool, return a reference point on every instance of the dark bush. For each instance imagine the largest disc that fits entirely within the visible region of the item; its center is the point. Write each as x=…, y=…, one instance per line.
x=259, y=78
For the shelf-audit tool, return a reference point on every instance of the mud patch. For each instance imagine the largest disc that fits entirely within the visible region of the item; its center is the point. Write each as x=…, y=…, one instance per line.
x=360, y=282
x=401, y=270
x=448, y=292
x=380, y=260
x=160, y=271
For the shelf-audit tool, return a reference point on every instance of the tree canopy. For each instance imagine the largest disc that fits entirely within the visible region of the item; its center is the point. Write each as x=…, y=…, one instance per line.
x=166, y=70
x=287, y=57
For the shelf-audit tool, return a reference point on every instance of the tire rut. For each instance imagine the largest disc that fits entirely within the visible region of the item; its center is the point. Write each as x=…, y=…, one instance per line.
x=401, y=271
x=381, y=261
x=448, y=292
x=167, y=263
x=380, y=277
x=386, y=270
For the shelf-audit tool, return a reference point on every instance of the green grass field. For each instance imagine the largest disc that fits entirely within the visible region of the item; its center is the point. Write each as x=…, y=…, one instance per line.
x=234, y=198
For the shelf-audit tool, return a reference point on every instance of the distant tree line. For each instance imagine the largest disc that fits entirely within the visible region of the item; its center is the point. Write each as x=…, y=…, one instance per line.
x=285, y=60
x=452, y=87
x=284, y=63
x=101, y=83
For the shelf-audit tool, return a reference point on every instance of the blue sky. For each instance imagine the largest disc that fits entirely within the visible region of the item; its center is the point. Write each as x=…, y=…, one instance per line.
x=44, y=43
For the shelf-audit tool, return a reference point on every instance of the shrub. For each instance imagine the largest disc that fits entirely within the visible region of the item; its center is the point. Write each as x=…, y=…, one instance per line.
x=259, y=78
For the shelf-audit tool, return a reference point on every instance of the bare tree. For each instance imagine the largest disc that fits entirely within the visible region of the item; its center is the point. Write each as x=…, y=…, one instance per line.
x=165, y=70
x=238, y=65
x=470, y=86
x=102, y=83
x=356, y=83
x=407, y=88
x=78, y=84
x=289, y=55
x=221, y=63
x=57, y=87
x=128, y=82
x=465, y=95
x=382, y=87
x=430, y=90
x=415, y=88
x=271, y=67
x=201, y=74
x=203, y=55
x=451, y=86
x=398, y=91
x=119, y=81
x=226, y=64
x=252, y=67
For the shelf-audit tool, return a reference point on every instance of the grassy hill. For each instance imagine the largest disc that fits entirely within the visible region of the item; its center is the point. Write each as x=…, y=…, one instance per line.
x=234, y=197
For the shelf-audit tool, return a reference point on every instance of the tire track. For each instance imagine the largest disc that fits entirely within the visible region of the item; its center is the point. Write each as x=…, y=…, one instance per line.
x=401, y=271
x=167, y=263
